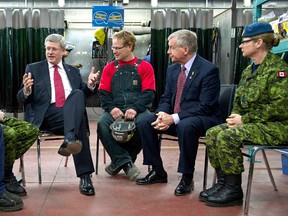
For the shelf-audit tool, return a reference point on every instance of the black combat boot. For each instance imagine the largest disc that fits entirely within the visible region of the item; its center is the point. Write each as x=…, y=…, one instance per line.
x=229, y=195
x=10, y=202
x=220, y=184
x=11, y=183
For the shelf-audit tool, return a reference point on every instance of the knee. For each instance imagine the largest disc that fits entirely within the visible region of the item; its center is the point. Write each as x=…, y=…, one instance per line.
x=209, y=133
x=145, y=121
x=78, y=94
x=223, y=136
x=104, y=122
x=9, y=134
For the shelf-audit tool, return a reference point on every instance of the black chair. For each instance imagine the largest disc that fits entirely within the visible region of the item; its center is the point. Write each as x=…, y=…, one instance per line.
x=226, y=98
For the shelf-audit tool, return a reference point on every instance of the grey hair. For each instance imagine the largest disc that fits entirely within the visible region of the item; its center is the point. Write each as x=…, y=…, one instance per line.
x=56, y=38
x=185, y=38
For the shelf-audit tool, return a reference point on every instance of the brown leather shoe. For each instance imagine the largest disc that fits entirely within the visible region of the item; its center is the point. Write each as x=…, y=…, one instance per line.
x=70, y=147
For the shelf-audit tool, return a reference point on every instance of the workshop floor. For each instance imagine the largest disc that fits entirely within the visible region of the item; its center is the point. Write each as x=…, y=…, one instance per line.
x=58, y=195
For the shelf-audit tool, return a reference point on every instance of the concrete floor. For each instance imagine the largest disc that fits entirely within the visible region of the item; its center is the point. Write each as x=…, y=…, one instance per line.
x=59, y=195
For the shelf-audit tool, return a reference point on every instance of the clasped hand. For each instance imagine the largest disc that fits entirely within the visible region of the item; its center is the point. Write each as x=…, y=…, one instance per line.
x=163, y=121
x=234, y=120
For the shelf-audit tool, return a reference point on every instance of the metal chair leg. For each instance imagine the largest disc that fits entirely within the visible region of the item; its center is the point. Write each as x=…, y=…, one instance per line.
x=104, y=155
x=39, y=162
x=205, y=170
x=97, y=155
x=269, y=170
x=249, y=182
x=22, y=170
x=66, y=161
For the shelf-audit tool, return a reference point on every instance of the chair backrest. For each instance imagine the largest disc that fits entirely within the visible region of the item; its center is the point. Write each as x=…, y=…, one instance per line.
x=226, y=97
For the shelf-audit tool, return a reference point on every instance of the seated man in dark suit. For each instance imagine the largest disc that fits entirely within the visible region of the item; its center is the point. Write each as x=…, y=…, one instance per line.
x=54, y=96
x=188, y=107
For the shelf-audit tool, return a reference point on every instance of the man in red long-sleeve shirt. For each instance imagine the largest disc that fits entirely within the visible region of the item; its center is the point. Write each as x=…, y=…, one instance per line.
x=126, y=90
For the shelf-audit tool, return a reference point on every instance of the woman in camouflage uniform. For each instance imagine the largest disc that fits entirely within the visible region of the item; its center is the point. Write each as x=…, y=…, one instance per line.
x=19, y=136
x=259, y=115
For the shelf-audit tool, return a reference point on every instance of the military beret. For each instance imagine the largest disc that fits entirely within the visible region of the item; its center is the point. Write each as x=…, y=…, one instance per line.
x=257, y=28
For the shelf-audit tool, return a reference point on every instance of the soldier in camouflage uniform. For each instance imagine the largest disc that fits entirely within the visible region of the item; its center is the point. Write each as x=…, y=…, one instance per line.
x=8, y=201
x=259, y=115
x=19, y=136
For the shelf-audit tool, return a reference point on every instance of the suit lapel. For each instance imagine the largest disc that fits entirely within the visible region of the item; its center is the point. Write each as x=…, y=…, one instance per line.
x=46, y=77
x=69, y=75
x=193, y=73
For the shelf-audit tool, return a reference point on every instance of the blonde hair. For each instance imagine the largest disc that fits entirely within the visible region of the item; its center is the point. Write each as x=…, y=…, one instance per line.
x=127, y=37
x=270, y=39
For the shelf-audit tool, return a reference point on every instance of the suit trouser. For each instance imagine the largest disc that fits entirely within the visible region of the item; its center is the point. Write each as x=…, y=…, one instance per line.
x=2, y=183
x=120, y=153
x=72, y=117
x=188, y=131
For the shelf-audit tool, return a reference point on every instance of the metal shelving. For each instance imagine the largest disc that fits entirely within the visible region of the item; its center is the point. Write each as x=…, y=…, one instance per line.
x=257, y=10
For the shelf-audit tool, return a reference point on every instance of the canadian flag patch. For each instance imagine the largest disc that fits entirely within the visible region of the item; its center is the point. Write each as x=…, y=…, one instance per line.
x=281, y=74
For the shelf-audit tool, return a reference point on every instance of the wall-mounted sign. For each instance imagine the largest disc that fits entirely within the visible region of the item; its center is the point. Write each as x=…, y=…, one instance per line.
x=108, y=16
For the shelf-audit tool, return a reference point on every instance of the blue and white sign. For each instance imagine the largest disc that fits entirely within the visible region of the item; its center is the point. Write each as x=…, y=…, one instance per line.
x=107, y=16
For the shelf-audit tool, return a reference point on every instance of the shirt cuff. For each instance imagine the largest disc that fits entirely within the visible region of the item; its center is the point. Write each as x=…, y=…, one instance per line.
x=91, y=87
x=176, y=118
x=26, y=94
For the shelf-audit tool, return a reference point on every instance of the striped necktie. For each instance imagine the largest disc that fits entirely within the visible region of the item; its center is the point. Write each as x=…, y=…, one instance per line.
x=59, y=88
x=180, y=86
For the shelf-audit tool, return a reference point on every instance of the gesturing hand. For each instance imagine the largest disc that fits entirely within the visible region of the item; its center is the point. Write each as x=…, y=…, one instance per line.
x=28, y=83
x=93, y=77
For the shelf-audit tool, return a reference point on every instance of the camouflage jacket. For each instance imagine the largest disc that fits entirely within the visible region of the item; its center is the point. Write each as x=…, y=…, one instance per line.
x=263, y=96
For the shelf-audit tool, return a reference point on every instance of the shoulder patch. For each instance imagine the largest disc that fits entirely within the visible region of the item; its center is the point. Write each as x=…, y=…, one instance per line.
x=281, y=74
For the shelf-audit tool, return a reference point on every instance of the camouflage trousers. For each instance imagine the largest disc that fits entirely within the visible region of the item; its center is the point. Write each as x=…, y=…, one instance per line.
x=18, y=136
x=224, y=144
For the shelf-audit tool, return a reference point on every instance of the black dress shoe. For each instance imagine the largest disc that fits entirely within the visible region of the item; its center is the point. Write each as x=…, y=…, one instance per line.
x=184, y=187
x=86, y=186
x=152, y=178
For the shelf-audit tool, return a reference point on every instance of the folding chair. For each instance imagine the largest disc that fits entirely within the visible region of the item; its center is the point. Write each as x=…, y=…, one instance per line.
x=252, y=159
x=46, y=136
x=43, y=136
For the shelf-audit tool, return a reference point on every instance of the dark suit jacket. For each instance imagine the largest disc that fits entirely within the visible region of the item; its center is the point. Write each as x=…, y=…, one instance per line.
x=200, y=93
x=38, y=102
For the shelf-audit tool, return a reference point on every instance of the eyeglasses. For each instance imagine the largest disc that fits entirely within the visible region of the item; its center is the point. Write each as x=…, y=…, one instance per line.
x=117, y=48
x=53, y=49
x=246, y=41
